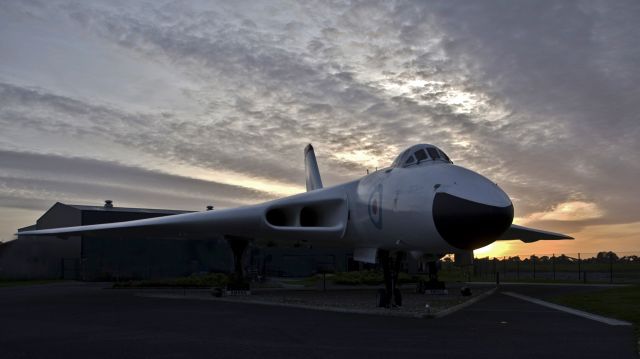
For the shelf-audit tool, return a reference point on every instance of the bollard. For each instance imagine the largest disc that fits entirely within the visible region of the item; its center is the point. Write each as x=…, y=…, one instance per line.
x=610, y=267
x=497, y=279
x=579, y=269
x=533, y=260
x=324, y=282
x=504, y=266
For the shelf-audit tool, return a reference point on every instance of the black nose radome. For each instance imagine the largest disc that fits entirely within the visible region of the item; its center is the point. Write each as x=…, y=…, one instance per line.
x=469, y=225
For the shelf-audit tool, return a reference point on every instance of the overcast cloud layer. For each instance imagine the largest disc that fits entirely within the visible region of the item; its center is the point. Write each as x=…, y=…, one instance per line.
x=177, y=104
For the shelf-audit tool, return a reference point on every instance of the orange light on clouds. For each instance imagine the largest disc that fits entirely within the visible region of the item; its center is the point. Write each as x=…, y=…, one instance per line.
x=567, y=211
x=619, y=238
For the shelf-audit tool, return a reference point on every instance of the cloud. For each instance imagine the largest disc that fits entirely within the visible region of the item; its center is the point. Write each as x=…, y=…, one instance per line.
x=31, y=180
x=539, y=97
x=567, y=211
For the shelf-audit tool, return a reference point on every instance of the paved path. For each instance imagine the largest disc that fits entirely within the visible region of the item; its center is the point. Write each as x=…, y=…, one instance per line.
x=85, y=321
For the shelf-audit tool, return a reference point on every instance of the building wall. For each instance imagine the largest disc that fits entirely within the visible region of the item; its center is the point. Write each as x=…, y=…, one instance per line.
x=36, y=257
x=145, y=258
x=300, y=262
x=108, y=258
x=59, y=215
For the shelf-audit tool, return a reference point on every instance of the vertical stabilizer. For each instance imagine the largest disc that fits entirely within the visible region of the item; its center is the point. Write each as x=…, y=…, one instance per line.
x=311, y=169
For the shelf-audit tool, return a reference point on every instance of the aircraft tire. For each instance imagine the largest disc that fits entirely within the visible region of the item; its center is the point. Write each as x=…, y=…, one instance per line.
x=383, y=298
x=397, y=297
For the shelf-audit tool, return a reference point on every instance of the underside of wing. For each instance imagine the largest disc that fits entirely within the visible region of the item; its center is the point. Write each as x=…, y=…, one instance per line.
x=306, y=216
x=529, y=235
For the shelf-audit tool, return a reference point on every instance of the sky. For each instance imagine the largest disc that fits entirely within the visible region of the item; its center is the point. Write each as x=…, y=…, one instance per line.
x=182, y=104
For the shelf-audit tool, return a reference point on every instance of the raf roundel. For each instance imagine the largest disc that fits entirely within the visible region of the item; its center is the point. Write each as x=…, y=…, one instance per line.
x=375, y=207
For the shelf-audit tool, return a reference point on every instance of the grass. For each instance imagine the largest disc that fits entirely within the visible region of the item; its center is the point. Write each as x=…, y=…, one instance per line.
x=368, y=277
x=454, y=274
x=308, y=282
x=492, y=279
x=620, y=303
x=204, y=281
x=16, y=283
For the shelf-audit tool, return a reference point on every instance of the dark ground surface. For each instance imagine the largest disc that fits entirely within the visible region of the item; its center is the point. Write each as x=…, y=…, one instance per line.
x=80, y=320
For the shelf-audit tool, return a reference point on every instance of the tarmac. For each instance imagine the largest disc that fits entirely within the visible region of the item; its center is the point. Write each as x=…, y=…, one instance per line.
x=85, y=320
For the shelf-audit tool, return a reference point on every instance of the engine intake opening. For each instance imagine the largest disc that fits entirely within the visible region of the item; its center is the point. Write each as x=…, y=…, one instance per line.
x=308, y=217
x=324, y=213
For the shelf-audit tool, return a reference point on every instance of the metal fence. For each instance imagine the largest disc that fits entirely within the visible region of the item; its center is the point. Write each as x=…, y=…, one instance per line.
x=601, y=267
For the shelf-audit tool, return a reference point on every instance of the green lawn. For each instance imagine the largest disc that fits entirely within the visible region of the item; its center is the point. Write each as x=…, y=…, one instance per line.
x=620, y=303
x=205, y=281
x=308, y=282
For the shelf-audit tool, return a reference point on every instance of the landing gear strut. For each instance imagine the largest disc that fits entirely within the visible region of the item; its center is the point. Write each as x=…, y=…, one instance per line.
x=390, y=295
x=238, y=247
x=433, y=284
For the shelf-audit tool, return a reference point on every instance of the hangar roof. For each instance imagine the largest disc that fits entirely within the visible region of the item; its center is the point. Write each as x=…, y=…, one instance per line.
x=68, y=215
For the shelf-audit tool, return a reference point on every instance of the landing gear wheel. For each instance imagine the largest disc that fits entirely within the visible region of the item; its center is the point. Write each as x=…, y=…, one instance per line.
x=433, y=283
x=383, y=298
x=397, y=297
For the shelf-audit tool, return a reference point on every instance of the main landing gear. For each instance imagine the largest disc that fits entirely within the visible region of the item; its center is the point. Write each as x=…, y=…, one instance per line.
x=390, y=296
x=238, y=282
x=433, y=285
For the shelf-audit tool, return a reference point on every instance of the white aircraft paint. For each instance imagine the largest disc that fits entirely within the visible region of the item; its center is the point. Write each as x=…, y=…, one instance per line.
x=422, y=207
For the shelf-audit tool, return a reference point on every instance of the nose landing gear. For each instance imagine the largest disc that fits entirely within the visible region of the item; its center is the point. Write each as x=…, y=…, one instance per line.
x=390, y=296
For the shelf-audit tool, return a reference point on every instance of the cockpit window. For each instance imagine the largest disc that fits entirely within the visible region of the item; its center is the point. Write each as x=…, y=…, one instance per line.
x=444, y=155
x=421, y=155
x=397, y=162
x=410, y=160
x=433, y=153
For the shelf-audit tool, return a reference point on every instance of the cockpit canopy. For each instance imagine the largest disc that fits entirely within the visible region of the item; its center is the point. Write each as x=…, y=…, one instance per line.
x=420, y=153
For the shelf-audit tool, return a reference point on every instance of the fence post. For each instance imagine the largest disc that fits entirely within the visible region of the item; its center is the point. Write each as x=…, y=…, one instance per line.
x=579, y=263
x=495, y=266
x=553, y=265
x=533, y=259
x=518, y=269
x=504, y=266
x=324, y=281
x=610, y=267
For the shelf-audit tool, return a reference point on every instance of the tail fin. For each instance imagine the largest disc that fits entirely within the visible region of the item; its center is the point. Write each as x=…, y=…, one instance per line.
x=311, y=169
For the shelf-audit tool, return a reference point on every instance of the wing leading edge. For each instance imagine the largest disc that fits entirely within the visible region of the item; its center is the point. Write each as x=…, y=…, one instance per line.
x=321, y=214
x=529, y=235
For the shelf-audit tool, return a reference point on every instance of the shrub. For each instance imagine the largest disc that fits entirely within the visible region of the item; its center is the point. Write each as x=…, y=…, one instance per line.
x=202, y=281
x=368, y=277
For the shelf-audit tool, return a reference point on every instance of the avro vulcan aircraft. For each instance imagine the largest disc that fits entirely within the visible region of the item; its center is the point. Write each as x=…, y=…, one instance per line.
x=422, y=204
